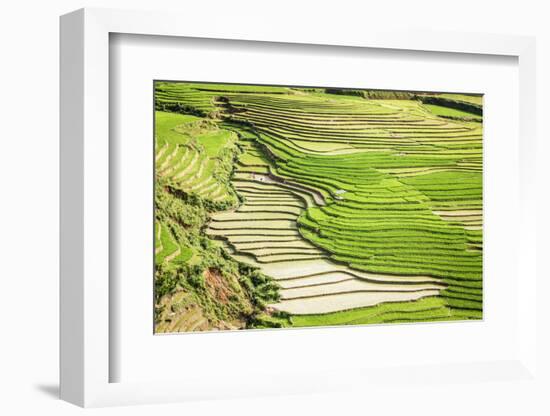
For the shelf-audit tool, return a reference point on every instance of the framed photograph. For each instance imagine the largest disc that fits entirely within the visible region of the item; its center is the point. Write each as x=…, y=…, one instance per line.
x=321, y=214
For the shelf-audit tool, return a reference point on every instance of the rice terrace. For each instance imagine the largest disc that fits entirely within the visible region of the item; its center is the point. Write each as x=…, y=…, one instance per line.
x=293, y=206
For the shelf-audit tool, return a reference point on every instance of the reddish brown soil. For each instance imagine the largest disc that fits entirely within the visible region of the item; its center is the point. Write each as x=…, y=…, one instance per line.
x=217, y=286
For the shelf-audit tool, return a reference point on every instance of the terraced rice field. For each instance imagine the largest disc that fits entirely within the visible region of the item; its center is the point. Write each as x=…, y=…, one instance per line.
x=362, y=210
x=186, y=155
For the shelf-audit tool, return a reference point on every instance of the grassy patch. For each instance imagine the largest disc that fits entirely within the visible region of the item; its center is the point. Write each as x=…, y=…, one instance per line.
x=439, y=110
x=426, y=309
x=215, y=141
x=165, y=127
x=375, y=314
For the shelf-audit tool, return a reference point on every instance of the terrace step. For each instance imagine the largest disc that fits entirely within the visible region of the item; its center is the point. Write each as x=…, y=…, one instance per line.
x=348, y=286
x=345, y=301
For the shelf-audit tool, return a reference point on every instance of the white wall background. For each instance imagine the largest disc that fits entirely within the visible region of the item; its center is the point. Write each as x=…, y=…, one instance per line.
x=29, y=180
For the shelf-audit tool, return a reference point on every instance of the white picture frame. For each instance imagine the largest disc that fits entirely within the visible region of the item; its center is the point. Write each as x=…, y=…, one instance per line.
x=85, y=264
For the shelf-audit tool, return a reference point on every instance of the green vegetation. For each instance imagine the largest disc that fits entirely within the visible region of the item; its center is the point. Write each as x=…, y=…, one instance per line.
x=451, y=112
x=426, y=309
x=316, y=207
x=197, y=285
x=471, y=104
x=471, y=98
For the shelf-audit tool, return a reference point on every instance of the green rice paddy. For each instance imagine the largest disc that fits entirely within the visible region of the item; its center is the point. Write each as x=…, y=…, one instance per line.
x=348, y=209
x=448, y=112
